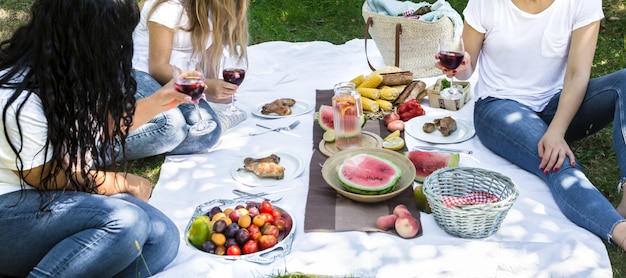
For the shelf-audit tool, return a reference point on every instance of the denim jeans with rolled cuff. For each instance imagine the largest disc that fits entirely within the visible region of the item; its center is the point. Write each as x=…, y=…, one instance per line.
x=513, y=131
x=168, y=132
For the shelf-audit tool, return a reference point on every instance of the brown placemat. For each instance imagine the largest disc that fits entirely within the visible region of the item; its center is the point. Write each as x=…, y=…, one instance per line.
x=327, y=211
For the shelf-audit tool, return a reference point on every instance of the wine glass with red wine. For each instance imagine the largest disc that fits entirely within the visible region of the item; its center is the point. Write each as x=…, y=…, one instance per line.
x=451, y=53
x=192, y=83
x=233, y=71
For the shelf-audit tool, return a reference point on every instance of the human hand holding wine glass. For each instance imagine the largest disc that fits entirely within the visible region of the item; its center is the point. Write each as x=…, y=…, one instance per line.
x=192, y=83
x=234, y=71
x=451, y=53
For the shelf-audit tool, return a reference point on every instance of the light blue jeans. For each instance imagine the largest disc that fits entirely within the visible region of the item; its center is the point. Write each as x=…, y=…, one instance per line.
x=83, y=235
x=513, y=131
x=168, y=132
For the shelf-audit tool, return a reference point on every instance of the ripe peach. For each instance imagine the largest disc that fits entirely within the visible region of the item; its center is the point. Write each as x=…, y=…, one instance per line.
x=401, y=211
x=390, y=117
x=407, y=227
x=386, y=222
x=395, y=125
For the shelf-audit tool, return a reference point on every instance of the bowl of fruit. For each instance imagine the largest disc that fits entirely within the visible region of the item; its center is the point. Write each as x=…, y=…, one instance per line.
x=256, y=231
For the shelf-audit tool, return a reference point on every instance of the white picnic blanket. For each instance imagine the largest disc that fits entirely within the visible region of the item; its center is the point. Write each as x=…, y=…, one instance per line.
x=535, y=239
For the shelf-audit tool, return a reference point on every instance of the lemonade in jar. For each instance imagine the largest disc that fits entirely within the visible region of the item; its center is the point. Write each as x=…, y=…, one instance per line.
x=347, y=112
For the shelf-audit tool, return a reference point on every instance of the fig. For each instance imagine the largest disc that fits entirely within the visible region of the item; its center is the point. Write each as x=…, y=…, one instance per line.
x=242, y=236
x=231, y=230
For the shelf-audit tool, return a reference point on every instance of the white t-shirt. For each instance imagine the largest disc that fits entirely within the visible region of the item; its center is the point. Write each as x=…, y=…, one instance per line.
x=34, y=131
x=524, y=55
x=170, y=14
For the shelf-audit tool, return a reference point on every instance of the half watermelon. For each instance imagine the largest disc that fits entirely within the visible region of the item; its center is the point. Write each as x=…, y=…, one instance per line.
x=427, y=162
x=369, y=174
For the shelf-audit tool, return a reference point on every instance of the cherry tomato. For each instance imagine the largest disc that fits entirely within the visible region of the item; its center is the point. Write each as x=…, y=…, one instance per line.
x=269, y=218
x=233, y=250
x=255, y=232
x=266, y=207
x=269, y=229
x=280, y=223
x=250, y=247
x=267, y=241
x=276, y=213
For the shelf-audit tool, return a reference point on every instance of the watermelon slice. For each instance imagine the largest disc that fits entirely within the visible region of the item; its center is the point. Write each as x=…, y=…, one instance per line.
x=325, y=117
x=428, y=162
x=369, y=174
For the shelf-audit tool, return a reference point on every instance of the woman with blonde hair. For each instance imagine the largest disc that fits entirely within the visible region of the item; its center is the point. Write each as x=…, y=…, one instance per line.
x=174, y=32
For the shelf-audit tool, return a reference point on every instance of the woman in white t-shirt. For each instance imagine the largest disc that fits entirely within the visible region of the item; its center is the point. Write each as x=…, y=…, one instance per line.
x=168, y=36
x=67, y=95
x=534, y=96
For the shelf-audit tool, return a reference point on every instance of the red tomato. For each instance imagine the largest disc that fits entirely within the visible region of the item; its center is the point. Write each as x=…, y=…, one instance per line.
x=233, y=250
x=267, y=241
x=280, y=223
x=266, y=207
x=255, y=232
x=269, y=218
x=276, y=213
x=250, y=247
x=271, y=230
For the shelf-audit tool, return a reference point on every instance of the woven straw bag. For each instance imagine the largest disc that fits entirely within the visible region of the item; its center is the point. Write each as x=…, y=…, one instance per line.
x=409, y=44
x=469, y=221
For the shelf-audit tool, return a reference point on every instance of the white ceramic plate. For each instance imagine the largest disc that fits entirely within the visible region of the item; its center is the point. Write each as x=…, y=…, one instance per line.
x=294, y=166
x=464, y=130
x=301, y=107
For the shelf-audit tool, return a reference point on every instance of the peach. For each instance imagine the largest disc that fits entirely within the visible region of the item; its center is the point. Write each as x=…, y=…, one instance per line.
x=401, y=211
x=386, y=222
x=395, y=125
x=407, y=227
x=390, y=117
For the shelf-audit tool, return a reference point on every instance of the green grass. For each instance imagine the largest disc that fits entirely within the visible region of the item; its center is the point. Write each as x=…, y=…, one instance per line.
x=338, y=21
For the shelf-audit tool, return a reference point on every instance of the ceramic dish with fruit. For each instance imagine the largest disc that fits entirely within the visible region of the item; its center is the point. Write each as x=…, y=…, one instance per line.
x=368, y=175
x=255, y=231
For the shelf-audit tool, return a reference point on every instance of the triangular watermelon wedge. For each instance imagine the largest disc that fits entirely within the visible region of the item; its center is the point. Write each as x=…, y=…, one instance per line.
x=427, y=162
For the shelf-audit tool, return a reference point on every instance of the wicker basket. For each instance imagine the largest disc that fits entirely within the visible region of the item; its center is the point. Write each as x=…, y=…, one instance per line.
x=469, y=221
x=409, y=44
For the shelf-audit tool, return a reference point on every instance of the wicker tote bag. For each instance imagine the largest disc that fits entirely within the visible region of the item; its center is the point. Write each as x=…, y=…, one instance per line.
x=409, y=44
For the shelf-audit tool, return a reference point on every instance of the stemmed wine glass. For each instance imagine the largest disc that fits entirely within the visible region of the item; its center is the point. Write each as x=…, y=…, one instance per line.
x=233, y=71
x=192, y=82
x=451, y=53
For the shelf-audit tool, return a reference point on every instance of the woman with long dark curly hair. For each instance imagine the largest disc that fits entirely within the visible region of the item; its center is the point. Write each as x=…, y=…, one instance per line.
x=66, y=100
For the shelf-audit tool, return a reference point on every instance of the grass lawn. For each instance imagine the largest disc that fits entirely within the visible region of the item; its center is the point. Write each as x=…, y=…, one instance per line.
x=338, y=21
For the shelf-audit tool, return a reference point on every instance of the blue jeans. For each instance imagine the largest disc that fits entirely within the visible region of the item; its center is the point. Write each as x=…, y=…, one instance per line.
x=168, y=132
x=83, y=235
x=513, y=131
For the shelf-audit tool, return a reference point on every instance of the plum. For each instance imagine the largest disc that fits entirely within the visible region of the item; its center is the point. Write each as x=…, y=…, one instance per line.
x=242, y=236
x=407, y=226
x=231, y=230
x=219, y=226
x=386, y=222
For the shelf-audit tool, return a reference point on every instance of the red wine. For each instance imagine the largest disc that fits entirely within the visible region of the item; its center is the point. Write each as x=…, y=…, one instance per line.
x=451, y=59
x=233, y=75
x=193, y=88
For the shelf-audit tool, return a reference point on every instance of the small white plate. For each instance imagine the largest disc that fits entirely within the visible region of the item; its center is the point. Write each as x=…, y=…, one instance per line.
x=294, y=166
x=464, y=130
x=301, y=107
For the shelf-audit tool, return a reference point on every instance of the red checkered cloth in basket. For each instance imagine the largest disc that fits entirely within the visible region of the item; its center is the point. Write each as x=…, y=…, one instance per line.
x=471, y=198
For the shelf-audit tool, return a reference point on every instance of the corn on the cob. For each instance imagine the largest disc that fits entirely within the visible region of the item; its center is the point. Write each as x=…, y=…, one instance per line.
x=384, y=105
x=369, y=104
x=358, y=80
x=389, y=93
x=371, y=93
x=372, y=80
